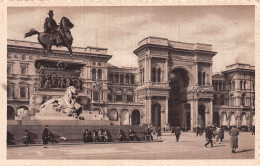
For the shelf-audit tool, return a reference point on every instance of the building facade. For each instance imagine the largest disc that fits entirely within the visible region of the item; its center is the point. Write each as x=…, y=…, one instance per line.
x=172, y=86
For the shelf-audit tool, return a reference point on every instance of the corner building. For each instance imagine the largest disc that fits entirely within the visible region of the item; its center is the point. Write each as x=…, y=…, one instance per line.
x=172, y=85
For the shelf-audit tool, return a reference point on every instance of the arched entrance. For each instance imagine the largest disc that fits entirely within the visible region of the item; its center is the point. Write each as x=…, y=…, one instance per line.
x=232, y=120
x=113, y=115
x=124, y=120
x=216, y=118
x=201, y=115
x=136, y=117
x=10, y=113
x=224, y=119
x=21, y=110
x=243, y=120
x=178, y=113
x=156, y=115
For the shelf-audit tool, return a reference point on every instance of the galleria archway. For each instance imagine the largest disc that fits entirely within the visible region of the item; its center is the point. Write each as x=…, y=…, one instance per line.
x=156, y=115
x=179, y=109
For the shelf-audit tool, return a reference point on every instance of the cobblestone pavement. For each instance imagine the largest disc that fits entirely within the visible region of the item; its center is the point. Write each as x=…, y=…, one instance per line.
x=189, y=147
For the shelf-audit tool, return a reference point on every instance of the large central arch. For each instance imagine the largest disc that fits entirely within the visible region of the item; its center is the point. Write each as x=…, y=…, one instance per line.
x=180, y=78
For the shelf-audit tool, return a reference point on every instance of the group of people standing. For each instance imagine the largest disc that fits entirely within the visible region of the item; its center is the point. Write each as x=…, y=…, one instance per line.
x=96, y=136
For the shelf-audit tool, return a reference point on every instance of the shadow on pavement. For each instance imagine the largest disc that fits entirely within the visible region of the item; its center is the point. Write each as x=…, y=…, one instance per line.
x=247, y=150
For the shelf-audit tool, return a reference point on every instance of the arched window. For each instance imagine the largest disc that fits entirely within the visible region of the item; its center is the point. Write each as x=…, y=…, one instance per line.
x=99, y=74
x=127, y=79
x=215, y=101
x=119, y=95
x=154, y=74
x=116, y=78
x=132, y=79
x=222, y=99
x=129, y=96
x=122, y=79
x=159, y=75
x=94, y=74
x=241, y=85
x=113, y=115
x=204, y=78
x=243, y=99
x=109, y=95
x=220, y=86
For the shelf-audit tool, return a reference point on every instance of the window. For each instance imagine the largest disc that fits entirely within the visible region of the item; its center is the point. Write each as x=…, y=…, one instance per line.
x=9, y=70
x=111, y=77
x=158, y=75
x=129, y=96
x=23, y=92
x=245, y=87
x=119, y=95
x=243, y=102
x=94, y=74
x=154, y=74
x=232, y=99
x=132, y=79
x=121, y=79
x=99, y=74
x=23, y=70
x=95, y=95
x=109, y=95
x=233, y=85
x=241, y=85
x=143, y=75
x=215, y=101
x=9, y=91
x=204, y=78
x=199, y=78
x=117, y=78
x=222, y=99
x=127, y=79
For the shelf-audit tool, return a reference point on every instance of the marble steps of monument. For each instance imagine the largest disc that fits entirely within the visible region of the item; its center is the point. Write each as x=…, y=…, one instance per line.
x=72, y=133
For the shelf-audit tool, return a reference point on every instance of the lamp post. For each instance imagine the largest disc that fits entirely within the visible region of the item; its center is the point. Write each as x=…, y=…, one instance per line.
x=99, y=85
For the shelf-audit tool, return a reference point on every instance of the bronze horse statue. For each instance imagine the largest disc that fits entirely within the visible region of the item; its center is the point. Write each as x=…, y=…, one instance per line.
x=47, y=40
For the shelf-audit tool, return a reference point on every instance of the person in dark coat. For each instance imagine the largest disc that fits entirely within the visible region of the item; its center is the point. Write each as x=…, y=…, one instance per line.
x=221, y=134
x=159, y=134
x=94, y=136
x=198, y=130
x=45, y=135
x=86, y=136
x=253, y=130
x=234, y=132
x=209, y=138
x=120, y=135
x=177, y=133
x=206, y=132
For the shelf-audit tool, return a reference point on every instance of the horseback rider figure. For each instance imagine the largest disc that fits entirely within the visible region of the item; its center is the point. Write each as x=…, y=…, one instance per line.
x=51, y=27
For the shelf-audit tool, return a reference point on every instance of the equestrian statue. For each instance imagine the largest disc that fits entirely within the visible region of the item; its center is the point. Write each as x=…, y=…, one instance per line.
x=58, y=35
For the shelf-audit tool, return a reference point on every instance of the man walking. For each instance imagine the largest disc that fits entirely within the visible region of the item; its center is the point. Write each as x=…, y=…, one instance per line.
x=177, y=133
x=209, y=138
x=45, y=135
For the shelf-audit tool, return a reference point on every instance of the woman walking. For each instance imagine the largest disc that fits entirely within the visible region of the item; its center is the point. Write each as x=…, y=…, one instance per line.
x=234, y=132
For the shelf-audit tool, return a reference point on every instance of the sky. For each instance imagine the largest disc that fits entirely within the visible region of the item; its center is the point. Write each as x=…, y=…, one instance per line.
x=230, y=29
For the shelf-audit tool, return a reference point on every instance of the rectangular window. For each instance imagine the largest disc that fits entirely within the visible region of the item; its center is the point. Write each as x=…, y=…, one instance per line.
x=9, y=70
x=9, y=91
x=129, y=98
x=119, y=98
x=23, y=70
x=23, y=92
x=95, y=96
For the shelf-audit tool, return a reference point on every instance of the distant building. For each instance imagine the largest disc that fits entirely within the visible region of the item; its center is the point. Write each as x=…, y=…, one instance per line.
x=172, y=86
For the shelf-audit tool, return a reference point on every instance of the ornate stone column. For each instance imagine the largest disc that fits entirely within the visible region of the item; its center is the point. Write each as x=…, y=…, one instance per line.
x=166, y=111
x=210, y=74
x=166, y=73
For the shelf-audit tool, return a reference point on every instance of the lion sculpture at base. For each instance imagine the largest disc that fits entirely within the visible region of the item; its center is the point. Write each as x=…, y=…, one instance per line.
x=66, y=104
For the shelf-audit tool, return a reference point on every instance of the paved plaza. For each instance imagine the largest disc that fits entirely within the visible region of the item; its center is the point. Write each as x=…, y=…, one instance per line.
x=189, y=147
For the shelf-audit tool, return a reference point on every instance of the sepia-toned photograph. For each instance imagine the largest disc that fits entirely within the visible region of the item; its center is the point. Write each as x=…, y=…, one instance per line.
x=131, y=82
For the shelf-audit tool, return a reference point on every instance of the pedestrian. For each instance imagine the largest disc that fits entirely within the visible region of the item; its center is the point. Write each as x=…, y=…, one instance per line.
x=26, y=137
x=209, y=138
x=177, y=133
x=206, y=132
x=45, y=135
x=120, y=135
x=86, y=136
x=132, y=135
x=217, y=134
x=198, y=130
x=221, y=134
x=253, y=130
x=234, y=132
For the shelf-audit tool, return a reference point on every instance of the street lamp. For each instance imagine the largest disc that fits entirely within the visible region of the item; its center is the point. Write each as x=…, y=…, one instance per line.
x=99, y=85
